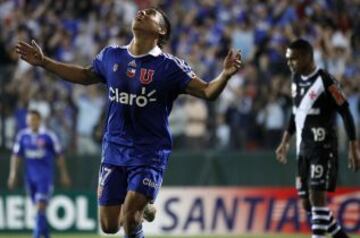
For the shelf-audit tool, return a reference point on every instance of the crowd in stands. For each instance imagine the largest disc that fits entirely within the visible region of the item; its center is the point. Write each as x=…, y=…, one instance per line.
x=250, y=114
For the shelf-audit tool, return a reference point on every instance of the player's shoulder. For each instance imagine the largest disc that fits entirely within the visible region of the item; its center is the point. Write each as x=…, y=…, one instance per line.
x=323, y=73
x=114, y=47
x=23, y=132
x=176, y=62
x=48, y=133
x=171, y=58
x=327, y=78
x=109, y=49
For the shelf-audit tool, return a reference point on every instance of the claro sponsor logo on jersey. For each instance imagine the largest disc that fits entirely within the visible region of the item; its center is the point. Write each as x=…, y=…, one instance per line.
x=132, y=99
x=35, y=154
x=150, y=183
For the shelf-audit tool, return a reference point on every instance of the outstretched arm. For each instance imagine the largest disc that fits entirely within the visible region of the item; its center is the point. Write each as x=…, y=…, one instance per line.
x=76, y=74
x=14, y=167
x=210, y=91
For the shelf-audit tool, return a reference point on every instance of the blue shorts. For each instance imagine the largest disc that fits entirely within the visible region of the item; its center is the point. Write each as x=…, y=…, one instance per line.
x=115, y=181
x=39, y=191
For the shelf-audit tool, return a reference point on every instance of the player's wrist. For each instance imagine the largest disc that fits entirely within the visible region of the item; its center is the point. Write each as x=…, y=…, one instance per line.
x=285, y=144
x=286, y=138
x=226, y=74
x=44, y=61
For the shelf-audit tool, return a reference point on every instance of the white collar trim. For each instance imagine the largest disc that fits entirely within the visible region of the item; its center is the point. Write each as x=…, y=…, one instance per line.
x=156, y=51
x=305, y=77
x=41, y=130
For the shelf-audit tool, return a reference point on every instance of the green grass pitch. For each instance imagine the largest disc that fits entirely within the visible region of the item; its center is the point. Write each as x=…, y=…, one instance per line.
x=97, y=236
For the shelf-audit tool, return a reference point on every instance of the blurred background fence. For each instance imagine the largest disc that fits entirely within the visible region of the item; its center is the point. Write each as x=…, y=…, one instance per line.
x=210, y=168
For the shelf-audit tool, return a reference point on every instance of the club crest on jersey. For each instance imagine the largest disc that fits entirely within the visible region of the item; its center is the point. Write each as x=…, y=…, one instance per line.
x=40, y=142
x=131, y=69
x=146, y=75
x=312, y=95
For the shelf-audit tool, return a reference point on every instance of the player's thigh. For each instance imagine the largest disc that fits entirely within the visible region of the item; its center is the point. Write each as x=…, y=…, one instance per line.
x=323, y=170
x=112, y=186
x=43, y=192
x=144, y=185
x=302, y=177
x=112, y=189
x=145, y=180
x=134, y=205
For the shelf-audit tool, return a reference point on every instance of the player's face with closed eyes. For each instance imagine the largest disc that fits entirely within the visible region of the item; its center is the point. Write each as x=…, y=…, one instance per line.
x=147, y=20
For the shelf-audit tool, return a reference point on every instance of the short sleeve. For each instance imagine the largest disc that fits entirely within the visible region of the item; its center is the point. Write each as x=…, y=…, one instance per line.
x=333, y=89
x=18, y=148
x=181, y=75
x=98, y=64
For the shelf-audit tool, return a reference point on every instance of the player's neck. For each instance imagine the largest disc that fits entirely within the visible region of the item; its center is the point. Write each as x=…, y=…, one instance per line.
x=140, y=46
x=310, y=70
x=34, y=130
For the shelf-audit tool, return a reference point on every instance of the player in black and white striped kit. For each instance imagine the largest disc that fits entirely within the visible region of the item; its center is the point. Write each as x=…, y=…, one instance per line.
x=316, y=99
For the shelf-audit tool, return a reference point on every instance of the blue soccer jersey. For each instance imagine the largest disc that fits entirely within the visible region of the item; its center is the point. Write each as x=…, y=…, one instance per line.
x=141, y=91
x=38, y=150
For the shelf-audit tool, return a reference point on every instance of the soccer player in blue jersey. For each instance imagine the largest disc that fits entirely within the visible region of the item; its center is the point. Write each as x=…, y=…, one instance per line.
x=38, y=147
x=142, y=83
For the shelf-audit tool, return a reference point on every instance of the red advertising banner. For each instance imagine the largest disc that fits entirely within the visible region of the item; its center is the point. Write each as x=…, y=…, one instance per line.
x=239, y=210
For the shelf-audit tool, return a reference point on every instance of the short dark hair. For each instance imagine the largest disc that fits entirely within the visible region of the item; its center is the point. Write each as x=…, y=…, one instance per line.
x=303, y=45
x=34, y=112
x=165, y=23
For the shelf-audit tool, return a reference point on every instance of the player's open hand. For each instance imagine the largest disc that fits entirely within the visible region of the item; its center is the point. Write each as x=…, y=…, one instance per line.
x=354, y=156
x=232, y=62
x=281, y=153
x=31, y=53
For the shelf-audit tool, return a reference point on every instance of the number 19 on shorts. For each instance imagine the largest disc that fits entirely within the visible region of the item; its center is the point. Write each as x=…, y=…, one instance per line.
x=317, y=171
x=319, y=133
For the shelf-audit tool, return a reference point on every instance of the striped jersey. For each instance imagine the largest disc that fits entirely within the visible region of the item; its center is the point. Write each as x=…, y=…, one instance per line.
x=316, y=99
x=141, y=91
x=38, y=150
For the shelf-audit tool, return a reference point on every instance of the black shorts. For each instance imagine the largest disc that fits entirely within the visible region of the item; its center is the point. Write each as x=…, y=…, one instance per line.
x=317, y=170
